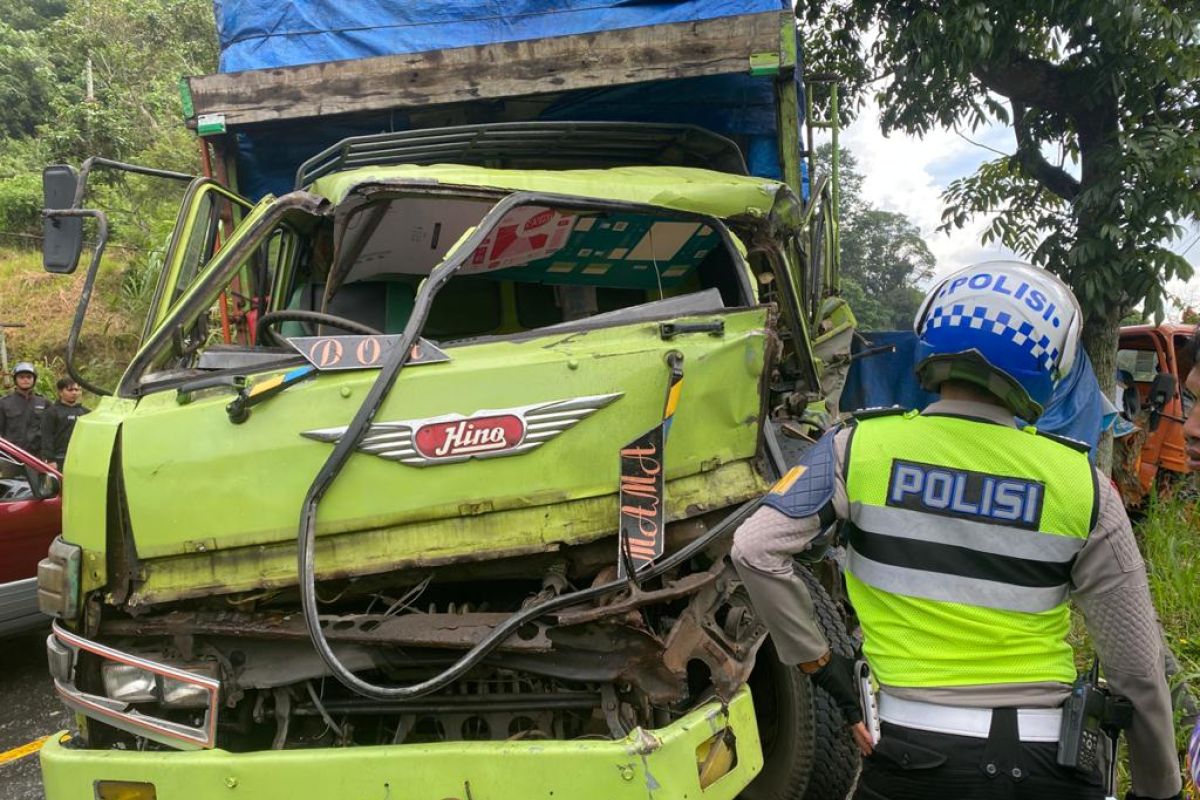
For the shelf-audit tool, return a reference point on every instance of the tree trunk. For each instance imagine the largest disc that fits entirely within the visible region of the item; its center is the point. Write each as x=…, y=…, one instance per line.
x=1100, y=333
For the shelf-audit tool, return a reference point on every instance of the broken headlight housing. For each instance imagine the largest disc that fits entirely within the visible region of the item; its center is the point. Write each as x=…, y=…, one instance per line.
x=131, y=684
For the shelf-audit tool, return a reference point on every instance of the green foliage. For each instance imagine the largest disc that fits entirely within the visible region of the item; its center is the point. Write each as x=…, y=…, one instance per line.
x=1111, y=87
x=134, y=52
x=1172, y=552
x=883, y=254
x=20, y=203
x=26, y=81
x=135, y=74
x=24, y=15
x=21, y=162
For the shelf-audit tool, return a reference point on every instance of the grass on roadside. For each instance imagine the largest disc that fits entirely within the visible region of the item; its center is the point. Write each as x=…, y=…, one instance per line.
x=45, y=305
x=1169, y=536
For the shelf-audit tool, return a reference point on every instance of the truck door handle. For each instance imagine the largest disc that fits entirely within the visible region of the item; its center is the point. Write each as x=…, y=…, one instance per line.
x=669, y=330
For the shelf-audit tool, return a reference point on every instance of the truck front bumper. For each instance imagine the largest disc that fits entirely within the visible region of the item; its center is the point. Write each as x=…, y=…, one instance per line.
x=662, y=764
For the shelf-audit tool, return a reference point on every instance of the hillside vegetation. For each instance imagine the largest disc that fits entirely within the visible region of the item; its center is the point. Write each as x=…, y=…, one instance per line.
x=80, y=78
x=45, y=305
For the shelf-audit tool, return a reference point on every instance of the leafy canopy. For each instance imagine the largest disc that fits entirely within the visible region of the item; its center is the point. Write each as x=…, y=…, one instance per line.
x=1102, y=96
x=137, y=50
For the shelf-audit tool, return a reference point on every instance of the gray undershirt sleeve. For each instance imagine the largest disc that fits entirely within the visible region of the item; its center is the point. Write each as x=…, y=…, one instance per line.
x=763, y=551
x=1110, y=588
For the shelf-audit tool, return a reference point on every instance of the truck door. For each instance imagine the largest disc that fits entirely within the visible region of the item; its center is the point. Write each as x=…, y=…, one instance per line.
x=206, y=215
x=205, y=205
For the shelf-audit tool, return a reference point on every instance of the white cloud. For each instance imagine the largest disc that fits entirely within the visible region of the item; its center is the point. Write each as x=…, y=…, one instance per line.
x=905, y=174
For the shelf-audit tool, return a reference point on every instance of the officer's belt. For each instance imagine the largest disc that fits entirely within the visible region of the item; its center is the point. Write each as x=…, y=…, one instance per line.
x=1033, y=724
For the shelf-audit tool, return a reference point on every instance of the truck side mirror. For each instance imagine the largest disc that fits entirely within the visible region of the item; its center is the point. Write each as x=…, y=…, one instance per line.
x=63, y=236
x=1162, y=390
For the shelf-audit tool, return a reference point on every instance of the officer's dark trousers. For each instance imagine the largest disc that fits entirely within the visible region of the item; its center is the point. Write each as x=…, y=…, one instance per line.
x=912, y=764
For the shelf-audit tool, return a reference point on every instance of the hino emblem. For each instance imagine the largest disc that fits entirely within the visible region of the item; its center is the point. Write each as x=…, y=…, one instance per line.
x=488, y=433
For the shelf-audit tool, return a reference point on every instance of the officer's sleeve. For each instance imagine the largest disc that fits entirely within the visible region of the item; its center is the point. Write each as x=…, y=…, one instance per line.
x=1110, y=586
x=765, y=545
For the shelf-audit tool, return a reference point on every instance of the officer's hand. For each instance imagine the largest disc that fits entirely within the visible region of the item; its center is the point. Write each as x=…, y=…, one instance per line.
x=837, y=678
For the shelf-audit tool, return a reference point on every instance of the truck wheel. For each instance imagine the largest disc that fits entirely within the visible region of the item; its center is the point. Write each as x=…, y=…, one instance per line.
x=783, y=708
x=836, y=761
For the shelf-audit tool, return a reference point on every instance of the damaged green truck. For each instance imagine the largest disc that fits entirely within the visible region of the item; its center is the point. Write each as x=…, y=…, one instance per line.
x=422, y=480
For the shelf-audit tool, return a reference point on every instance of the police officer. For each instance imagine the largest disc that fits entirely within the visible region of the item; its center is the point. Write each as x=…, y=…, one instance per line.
x=965, y=537
x=21, y=411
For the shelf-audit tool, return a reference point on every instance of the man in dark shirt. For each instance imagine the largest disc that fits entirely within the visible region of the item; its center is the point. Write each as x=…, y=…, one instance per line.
x=21, y=411
x=59, y=422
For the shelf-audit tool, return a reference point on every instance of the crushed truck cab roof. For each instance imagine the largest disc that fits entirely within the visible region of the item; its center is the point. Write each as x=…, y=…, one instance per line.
x=688, y=189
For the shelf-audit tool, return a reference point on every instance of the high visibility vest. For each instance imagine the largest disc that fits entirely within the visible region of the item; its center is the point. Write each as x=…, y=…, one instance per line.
x=960, y=540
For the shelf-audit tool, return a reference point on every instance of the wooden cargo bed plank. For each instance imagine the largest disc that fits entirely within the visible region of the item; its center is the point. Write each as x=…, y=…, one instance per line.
x=491, y=71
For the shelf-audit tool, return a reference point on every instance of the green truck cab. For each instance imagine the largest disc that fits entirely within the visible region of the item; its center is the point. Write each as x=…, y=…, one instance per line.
x=442, y=508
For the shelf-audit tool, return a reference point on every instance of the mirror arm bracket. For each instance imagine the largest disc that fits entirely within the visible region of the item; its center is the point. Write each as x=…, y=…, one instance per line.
x=85, y=296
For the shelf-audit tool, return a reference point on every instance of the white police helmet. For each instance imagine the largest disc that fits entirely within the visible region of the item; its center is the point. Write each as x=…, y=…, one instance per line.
x=1008, y=327
x=26, y=367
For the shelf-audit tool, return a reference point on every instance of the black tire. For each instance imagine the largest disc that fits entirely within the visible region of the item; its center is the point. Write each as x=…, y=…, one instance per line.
x=836, y=760
x=783, y=707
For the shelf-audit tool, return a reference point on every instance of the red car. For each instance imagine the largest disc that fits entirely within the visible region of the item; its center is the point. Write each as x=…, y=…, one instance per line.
x=30, y=518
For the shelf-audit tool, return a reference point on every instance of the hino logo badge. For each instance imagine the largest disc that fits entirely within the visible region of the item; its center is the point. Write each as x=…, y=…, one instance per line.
x=487, y=433
x=1000, y=500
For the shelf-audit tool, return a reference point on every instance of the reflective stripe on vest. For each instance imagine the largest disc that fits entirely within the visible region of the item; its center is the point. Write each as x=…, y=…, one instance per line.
x=962, y=535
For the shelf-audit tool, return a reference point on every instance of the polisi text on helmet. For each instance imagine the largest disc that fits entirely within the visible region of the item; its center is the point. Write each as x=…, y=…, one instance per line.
x=1033, y=299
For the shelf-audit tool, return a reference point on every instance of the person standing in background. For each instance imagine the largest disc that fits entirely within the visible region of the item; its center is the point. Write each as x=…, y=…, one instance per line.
x=22, y=410
x=58, y=423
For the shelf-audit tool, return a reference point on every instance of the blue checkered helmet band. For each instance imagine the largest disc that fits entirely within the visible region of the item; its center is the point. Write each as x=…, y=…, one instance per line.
x=1017, y=321
x=1001, y=324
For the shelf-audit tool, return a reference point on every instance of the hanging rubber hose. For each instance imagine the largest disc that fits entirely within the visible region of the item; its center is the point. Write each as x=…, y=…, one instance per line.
x=344, y=448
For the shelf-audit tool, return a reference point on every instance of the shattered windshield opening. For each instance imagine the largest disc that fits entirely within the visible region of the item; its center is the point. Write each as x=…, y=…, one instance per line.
x=357, y=271
x=542, y=266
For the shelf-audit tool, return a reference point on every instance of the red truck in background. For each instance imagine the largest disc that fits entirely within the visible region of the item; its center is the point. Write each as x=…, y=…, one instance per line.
x=1152, y=364
x=30, y=518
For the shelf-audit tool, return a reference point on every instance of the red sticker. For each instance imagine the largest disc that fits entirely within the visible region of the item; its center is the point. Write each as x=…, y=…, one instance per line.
x=471, y=436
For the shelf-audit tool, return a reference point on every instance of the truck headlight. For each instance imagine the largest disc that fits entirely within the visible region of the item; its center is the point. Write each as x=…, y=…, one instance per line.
x=129, y=684
x=178, y=694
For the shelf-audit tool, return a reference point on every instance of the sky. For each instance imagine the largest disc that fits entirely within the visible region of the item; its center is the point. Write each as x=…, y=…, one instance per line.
x=905, y=174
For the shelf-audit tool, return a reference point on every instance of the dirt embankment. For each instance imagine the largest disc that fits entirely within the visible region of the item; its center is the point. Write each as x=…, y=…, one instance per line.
x=45, y=305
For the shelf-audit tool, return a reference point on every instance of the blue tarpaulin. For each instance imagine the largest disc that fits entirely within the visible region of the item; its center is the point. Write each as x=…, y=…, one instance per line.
x=258, y=34
x=262, y=34
x=1076, y=409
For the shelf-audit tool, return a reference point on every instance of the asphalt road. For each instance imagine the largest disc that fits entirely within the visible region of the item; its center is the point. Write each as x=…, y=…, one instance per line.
x=29, y=710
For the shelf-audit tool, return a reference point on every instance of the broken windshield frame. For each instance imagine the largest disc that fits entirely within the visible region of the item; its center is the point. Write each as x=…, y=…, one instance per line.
x=212, y=280
x=213, y=277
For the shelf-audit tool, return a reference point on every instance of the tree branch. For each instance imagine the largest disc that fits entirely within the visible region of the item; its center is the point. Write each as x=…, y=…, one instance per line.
x=980, y=145
x=1033, y=163
x=1029, y=81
